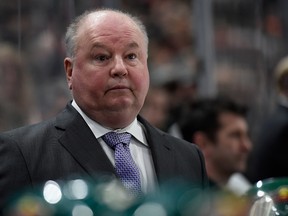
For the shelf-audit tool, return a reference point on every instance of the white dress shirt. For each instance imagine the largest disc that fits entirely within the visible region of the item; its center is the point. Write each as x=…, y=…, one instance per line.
x=139, y=148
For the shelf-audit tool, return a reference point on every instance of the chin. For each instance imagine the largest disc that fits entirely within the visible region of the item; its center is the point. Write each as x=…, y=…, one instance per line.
x=120, y=104
x=122, y=108
x=124, y=103
x=241, y=168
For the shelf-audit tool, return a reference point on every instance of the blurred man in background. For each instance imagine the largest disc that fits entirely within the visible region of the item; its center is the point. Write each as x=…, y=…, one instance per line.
x=270, y=152
x=219, y=127
x=17, y=101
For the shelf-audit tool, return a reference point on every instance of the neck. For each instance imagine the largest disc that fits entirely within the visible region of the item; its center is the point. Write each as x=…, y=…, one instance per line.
x=114, y=120
x=220, y=178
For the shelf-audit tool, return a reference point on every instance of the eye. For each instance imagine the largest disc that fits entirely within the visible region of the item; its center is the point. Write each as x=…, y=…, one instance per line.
x=132, y=56
x=102, y=58
x=236, y=134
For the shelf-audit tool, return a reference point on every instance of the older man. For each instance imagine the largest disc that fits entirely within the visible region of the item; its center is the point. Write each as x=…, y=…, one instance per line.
x=106, y=69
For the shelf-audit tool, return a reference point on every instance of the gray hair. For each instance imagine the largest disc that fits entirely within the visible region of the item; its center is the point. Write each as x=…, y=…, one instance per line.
x=72, y=30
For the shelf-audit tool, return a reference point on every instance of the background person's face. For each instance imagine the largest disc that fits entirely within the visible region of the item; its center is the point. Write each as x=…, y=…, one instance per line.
x=110, y=74
x=232, y=144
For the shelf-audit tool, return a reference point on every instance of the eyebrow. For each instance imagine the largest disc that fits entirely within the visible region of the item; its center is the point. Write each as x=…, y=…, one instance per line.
x=101, y=45
x=133, y=45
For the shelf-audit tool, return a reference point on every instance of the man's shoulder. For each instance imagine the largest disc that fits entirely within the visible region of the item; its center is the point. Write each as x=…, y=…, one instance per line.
x=42, y=128
x=29, y=132
x=176, y=140
x=173, y=141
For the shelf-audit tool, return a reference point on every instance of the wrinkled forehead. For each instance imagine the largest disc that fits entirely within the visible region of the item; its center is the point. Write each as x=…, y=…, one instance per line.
x=108, y=21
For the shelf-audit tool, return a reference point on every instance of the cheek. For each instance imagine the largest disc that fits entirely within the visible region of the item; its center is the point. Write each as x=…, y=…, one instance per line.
x=226, y=146
x=230, y=146
x=145, y=80
x=228, y=143
x=145, y=90
x=141, y=82
x=89, y=75
x=86, y=85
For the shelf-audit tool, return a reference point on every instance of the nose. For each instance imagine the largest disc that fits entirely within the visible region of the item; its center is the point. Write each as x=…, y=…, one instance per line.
x=119, y=68
x=246, y=145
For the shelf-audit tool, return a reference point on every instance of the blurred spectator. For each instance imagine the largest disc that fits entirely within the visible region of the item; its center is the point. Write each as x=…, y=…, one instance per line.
x=219, y=127
x=45, y=54
x=172, y=61
x=156, y=107
x=267, y=158
x=16, y=90
x=171, y=49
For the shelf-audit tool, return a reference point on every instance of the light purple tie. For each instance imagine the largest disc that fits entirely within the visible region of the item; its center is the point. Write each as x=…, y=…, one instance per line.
x=125, y=166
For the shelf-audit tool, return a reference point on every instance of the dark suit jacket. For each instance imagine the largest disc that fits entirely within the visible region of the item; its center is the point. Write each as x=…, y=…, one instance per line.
x=268, y=158
x=65, y=146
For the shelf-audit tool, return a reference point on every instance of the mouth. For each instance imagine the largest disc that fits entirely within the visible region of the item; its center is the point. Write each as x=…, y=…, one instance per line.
x=118, y=88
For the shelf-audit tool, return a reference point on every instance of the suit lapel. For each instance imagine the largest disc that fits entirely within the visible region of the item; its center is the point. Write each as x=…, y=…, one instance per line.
x=162, y=152
x=79, y=140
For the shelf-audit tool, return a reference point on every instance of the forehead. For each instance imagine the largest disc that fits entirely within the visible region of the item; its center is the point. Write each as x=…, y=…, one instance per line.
x=109, y=25
x=228, y=119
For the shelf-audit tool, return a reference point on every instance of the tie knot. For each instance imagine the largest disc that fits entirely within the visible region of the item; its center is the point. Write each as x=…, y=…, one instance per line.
x=112, y=138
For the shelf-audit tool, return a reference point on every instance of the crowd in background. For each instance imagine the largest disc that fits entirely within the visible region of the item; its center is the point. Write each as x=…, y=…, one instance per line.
x=248, y=46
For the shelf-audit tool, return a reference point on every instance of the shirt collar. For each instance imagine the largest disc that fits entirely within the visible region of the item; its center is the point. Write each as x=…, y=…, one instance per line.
x=135, y=128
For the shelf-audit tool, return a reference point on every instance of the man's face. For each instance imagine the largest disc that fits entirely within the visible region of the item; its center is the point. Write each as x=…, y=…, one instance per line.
x=232, y=144
x=109, y=76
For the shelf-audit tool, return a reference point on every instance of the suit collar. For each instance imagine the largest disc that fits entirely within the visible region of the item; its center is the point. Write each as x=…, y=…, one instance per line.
x=79, y=140
x=162, y=151
x=98, y=130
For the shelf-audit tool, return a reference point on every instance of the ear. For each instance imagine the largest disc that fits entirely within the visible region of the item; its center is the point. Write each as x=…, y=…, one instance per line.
x=68, y=66
x=203, y=142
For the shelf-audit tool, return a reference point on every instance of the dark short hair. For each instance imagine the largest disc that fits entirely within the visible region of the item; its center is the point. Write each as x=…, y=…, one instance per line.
x=203, y=115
